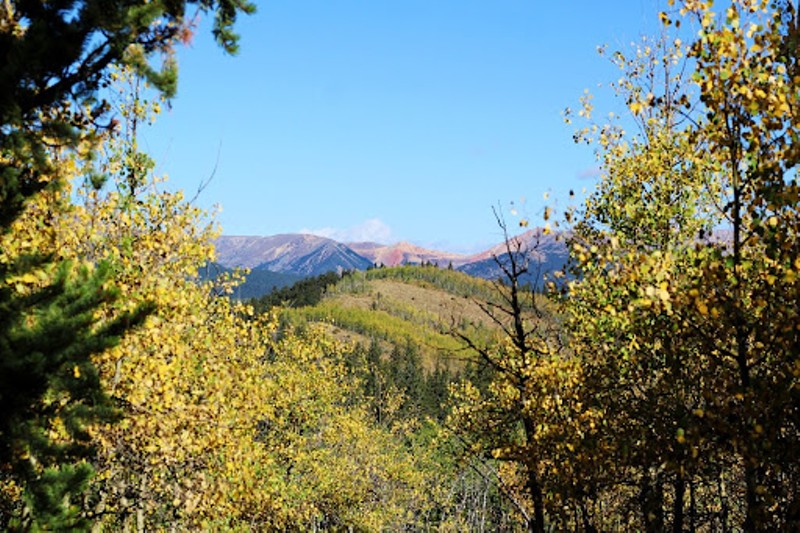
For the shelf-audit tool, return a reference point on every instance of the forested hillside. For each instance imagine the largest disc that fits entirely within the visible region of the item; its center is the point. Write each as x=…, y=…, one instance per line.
x=654, y=385
x=418, y=304
x=403, y=324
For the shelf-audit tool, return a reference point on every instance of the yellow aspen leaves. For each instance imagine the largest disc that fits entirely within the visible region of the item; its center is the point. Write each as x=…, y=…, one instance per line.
x=214, y=434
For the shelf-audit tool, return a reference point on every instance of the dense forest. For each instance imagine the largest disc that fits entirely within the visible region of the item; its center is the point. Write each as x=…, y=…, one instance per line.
x=654, y=385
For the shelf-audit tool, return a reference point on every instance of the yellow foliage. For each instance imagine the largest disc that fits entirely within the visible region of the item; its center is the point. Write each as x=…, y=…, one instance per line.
x=225, y=425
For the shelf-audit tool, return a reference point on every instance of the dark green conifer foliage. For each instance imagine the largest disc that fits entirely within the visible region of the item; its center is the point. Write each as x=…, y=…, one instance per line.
x=424, y=393
x=56, y=58
x=435, y=393
x=308, y=291
x=47, y=379
x=405, y=373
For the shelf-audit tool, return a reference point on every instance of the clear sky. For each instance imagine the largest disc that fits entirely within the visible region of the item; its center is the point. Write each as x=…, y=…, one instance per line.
x=392, y=120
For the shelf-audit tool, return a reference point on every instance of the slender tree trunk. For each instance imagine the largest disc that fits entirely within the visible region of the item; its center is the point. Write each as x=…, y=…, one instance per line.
x=535, y=490
x=742, y=333
x=140, y=505
x=483, y=511
x=677, y=508
x=651, y=500
x=533, y=485
x=588, y=526
x=692, y=509
x=723, y=496
x=754, y=520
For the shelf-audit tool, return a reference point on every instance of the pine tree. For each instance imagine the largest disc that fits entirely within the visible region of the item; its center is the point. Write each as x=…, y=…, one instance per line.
x=56, y=58
x=47, y=381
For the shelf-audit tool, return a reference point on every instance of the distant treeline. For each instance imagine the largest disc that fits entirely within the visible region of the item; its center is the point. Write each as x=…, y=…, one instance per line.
x=308, y=291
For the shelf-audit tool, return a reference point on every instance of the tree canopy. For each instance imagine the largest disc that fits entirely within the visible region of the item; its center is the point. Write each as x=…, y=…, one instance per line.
x=653, y=386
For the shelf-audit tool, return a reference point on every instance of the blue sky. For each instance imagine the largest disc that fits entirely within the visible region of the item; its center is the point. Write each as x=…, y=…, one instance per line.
x=392, y=120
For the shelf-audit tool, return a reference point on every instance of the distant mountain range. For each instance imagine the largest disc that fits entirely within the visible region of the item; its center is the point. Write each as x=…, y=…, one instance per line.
x=306, y=255
x=277, y=259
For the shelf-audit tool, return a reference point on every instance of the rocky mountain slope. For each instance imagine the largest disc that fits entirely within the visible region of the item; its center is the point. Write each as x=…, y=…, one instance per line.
x=546, y=253
x=306, y=255
x=405, y=253
x=309, y=255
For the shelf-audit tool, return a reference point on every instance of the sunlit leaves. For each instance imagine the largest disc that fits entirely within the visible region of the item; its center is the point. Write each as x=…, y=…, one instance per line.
x=686, y=291
x=226, y=422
